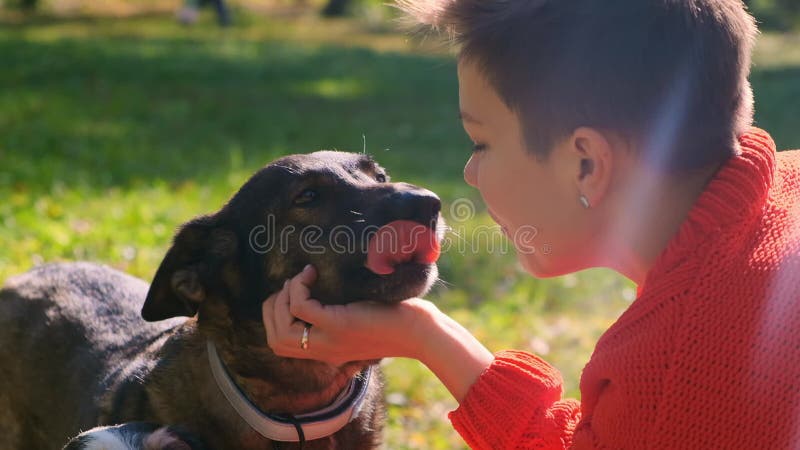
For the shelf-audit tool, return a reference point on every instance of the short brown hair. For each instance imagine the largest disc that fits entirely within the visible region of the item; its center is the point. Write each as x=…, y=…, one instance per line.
x=671, y=74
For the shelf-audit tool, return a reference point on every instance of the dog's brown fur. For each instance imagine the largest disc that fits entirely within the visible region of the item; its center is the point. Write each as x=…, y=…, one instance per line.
x=74, y=354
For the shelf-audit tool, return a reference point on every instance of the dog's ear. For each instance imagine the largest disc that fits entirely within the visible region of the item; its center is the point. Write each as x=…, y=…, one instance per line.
x=182, y=280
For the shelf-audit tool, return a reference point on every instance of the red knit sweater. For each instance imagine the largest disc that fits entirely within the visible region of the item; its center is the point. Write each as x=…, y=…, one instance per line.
x=708, y=356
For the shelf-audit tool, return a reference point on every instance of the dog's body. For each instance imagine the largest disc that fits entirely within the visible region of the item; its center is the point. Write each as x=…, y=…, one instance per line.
x=74, y=352
x=72, y=337
x=82, y=356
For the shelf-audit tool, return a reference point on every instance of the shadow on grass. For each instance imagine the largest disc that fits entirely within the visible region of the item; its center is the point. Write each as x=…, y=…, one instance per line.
x=111, y=111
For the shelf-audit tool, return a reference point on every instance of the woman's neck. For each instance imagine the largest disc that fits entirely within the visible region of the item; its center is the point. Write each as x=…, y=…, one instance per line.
x=650, y=210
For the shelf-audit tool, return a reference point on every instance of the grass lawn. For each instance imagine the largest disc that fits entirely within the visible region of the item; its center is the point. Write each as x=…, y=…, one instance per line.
x=115, y=131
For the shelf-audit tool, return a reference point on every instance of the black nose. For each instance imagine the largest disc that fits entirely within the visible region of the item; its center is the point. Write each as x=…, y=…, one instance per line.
x=417, y=204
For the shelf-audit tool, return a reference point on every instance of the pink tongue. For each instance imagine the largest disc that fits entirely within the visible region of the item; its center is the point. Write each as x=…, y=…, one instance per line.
x=400, y=242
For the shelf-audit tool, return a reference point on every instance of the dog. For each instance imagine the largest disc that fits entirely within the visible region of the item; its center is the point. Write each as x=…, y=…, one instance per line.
x=75, y=353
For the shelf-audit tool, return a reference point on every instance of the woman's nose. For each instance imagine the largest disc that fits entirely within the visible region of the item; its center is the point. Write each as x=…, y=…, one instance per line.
x=471, y=171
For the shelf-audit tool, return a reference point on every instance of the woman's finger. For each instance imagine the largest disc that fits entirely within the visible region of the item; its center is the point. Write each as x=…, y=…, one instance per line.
x=268, y=317
x=284, y=332
x=289, y=329
x=311, y=311
x=308, y=275
x=299, y=293
x=283, y=316
x=300, y=285
x=281, y=320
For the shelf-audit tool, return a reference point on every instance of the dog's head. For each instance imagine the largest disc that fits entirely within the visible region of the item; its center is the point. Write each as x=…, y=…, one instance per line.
x=369, y=239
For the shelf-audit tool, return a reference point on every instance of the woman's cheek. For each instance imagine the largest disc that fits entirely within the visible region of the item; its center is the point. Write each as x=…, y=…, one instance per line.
x=524, y=237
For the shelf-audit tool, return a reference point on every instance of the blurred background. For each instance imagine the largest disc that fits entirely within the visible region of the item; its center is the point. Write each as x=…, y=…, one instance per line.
x=121, y=119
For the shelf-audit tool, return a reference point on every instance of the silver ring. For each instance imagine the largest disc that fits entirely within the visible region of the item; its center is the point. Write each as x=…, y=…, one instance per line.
x=304, y=339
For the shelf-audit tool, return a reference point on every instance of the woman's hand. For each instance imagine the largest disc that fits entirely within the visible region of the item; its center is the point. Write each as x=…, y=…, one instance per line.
x=340, y=333
x=361, y=331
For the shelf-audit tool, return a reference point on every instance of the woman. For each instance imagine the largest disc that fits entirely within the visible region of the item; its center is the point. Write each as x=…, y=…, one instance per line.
x=621, y=131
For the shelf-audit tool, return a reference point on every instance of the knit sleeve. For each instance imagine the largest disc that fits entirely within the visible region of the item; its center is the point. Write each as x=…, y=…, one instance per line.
x=516, y=404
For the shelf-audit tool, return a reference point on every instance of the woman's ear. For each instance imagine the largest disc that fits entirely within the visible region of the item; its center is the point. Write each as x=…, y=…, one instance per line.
x=594, y=156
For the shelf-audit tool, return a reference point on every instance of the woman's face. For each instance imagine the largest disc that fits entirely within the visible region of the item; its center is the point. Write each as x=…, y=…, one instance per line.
x=535, y=202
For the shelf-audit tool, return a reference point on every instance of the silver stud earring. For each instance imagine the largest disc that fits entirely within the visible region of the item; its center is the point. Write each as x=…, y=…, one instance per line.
x=584, y=201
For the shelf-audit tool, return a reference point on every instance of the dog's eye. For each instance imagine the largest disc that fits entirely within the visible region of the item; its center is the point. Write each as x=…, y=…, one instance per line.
x=305, y=197
x=381, y=178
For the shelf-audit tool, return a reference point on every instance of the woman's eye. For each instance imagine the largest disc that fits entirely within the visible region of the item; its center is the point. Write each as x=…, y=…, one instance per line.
x=381, y=178
x=306, y=197
x=478, y=148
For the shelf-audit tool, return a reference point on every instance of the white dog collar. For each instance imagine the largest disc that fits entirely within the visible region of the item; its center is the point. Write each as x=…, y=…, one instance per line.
x=300, y=428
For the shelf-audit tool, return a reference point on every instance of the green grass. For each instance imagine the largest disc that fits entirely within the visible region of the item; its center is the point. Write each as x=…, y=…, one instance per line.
x=114, y=132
